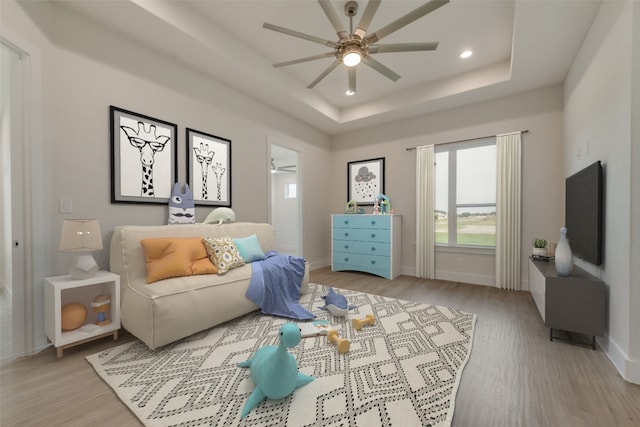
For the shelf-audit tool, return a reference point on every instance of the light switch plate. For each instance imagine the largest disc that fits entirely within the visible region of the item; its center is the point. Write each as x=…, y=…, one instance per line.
x=66, y=206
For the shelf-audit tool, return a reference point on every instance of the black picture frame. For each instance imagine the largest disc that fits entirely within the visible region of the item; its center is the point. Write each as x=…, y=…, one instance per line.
x=208, y=168
x=365, y=180
x=144, y=160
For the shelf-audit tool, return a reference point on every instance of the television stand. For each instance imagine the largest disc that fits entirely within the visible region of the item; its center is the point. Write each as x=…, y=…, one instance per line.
x=574, y=303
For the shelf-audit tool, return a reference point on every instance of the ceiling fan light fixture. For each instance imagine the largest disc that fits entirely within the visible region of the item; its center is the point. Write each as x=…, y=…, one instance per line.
x=351, y=58
x=466, y=54
x=350, y=92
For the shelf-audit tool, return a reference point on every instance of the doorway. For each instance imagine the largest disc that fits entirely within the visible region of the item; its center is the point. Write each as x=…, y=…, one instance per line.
x=285, y=199
x=9, y=117
x=14, y=152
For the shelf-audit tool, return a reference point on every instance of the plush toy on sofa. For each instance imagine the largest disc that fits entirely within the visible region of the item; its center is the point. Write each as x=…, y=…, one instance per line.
x=220, y=215
x=336, y=304
x=274, y=370
x=182, y=209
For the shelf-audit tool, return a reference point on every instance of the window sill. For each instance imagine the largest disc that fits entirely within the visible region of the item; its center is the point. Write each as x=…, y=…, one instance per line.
x=466, y=250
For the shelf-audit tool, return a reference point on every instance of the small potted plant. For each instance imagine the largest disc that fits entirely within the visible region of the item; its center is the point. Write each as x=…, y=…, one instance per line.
x=539, y=246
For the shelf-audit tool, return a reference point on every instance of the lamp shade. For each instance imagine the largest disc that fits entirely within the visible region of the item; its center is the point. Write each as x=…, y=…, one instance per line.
x=80, y=235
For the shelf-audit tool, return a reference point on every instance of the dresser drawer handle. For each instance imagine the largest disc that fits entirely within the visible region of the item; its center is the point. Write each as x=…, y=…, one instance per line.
x=373, y=235
x=346, y=259
x=346, y=222
x=346, y=234
x=373, y=249
x=373, y=222
x=346, y=246
x=373, y=262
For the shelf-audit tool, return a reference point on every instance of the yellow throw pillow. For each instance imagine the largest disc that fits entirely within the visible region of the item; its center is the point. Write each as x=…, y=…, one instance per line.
x=223, y=253
x=175, y=257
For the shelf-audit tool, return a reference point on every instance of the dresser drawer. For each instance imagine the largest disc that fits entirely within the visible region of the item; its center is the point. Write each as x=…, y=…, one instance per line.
x=362, y=221
x=377, y=265
x=370, y=248
x=362, y=235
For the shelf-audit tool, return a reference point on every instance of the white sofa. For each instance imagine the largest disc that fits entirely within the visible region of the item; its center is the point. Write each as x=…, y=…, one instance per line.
x=164, y=311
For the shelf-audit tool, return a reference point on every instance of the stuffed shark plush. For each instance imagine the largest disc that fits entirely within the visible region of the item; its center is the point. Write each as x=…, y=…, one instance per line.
x=274, y=370
x=336, y=304
x=182, y=210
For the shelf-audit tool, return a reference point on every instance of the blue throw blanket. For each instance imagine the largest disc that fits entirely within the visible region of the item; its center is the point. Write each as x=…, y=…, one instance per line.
x=275, y=286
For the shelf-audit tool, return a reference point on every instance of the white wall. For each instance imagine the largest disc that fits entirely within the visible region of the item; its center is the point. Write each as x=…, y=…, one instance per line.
x=598, y=122
x=285, y=213
x=83, y=76
x=542, y=190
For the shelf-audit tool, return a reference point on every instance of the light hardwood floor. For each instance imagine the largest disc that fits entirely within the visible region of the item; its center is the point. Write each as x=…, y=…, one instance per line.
x=515, y=375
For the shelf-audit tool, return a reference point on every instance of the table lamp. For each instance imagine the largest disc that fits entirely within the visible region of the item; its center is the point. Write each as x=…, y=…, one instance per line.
x=81, y=236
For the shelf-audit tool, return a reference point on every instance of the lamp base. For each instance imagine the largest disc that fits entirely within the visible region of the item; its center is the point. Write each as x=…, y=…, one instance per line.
x=83, y=267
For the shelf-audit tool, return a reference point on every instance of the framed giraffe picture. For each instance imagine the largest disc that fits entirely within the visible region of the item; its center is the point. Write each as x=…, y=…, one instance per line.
x=209, y=168
x=144, y=160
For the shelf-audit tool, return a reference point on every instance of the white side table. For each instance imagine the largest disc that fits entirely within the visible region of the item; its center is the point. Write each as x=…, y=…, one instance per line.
x=62, y=290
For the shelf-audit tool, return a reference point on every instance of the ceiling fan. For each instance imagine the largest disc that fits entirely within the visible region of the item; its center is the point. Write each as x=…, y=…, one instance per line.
x=283, y=168
x=356, y=46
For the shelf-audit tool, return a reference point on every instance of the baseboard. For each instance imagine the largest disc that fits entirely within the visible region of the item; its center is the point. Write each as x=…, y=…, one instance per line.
x=318, y=263
x=474, y=279
x=627, y=368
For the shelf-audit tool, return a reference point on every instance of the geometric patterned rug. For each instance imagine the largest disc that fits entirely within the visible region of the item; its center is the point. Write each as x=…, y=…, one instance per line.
x=402, y=371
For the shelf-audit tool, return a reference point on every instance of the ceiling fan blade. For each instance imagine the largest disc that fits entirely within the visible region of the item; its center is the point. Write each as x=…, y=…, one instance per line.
x=298, y=34
x=352, y=80
x=367, y=16
x=306, y=59
x=334, y=19
x=402, y=47
x=405, y=20
x=380, y=68
x=324, y=73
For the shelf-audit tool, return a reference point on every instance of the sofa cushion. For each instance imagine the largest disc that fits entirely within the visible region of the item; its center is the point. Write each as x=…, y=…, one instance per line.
x=223, y=253
x=249, y=248
x=168, y=257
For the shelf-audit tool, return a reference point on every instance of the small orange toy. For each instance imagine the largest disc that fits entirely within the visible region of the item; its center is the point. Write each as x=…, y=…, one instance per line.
x=343, y=344
x=369, y=319
x=102, y=305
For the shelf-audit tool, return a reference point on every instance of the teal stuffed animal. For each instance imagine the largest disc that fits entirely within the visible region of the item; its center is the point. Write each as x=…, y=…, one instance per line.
x=274, y=370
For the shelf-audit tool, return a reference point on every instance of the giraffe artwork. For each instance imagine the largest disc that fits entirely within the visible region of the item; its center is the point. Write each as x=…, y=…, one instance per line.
x=218, y=170
x=207, y=155
x=204, y=157
x=148, y=143
x=143, y=158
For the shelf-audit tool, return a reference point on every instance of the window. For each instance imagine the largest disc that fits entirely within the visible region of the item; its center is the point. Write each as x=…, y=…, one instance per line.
x=290, y=191
x=465, y=205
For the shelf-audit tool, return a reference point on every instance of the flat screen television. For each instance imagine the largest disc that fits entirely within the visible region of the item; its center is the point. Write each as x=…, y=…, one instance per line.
x=583, y=213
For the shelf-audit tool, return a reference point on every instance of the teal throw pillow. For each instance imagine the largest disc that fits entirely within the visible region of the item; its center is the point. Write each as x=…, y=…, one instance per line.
x=249, y=248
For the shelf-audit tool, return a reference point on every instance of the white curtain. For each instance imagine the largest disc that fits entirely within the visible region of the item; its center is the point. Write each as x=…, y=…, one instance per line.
x=425, y=208
x=508, y=207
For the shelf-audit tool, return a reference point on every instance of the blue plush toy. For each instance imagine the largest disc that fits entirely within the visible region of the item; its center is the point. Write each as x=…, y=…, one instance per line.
x=274, y=370
x=182, y=209
x=336, y=304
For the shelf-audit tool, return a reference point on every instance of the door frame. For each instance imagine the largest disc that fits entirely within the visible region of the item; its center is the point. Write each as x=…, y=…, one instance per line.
x=299, y=194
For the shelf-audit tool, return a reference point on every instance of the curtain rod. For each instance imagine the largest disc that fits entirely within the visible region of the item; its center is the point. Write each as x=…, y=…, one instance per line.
x=464, y=140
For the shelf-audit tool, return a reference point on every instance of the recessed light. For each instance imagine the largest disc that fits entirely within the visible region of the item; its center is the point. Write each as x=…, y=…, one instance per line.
x=466, y=54
x=350, y=92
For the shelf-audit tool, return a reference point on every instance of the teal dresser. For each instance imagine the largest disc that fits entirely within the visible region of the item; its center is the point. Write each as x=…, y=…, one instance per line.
x=368, y=243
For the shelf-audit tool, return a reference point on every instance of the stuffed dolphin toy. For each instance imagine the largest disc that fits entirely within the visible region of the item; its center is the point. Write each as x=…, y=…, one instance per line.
x=336, y=304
